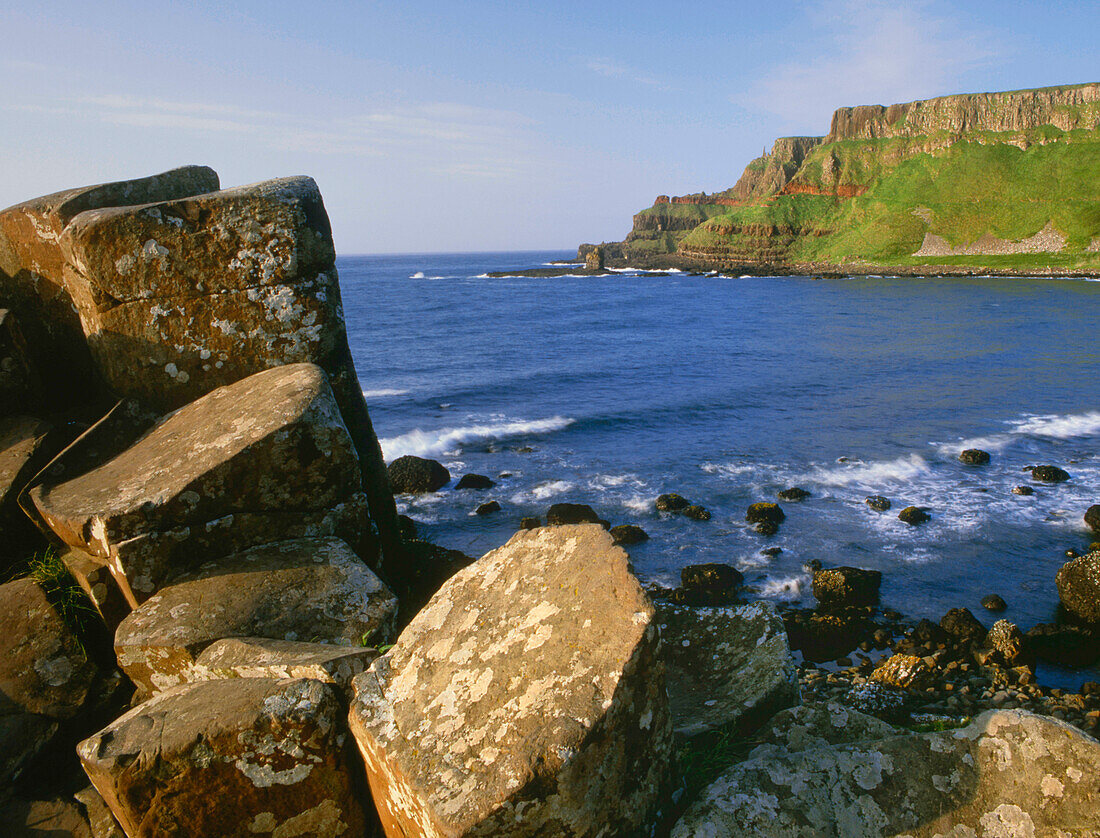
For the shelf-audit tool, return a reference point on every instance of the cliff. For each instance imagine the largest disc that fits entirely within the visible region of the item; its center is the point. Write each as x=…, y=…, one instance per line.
x=983, y=182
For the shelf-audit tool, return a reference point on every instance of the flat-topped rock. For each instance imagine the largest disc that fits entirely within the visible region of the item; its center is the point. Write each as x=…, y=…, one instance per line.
x=261, y=657
x=1007, y=773
x=526, y=699
x=305, y=589
x=728, y=668
x=250, y=756
x=274, y=441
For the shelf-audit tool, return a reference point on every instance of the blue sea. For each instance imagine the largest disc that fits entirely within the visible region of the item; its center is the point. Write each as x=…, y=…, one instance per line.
x=612, y=390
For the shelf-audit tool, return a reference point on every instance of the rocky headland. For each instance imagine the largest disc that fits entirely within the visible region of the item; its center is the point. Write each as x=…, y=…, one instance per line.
x=214, y=622
x=972, y=184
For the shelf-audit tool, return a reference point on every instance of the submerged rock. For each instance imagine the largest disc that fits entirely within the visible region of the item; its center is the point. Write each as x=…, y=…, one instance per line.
x=994, y=602
x=474, y=481
x=487, y=508
x=1023, y=490
x=672, y=502
x=1092, y=518
x=526, y=699
x=793, y=494
x=878, y=503
x=696, y=512
x=417, y=475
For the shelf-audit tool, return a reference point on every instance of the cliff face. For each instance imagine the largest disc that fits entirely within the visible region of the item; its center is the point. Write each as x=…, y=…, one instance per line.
x=957, y=171
x=1065, y=108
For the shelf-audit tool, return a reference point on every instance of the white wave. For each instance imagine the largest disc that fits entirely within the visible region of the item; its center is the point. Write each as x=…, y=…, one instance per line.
x=1060, y=427
x=384, y=392
x=542, y=491
x=440, y=442
x=871, y=474
x=727, y=469
x=639, y=503
x=563, y=264
x=788, y=588
x=417, y=275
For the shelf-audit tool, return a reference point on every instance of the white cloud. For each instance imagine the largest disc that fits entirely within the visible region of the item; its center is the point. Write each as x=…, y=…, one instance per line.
x=616, y=70
x=869, y=52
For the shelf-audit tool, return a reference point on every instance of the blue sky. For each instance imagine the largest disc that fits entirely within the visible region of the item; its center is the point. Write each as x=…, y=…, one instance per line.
x=462, y=126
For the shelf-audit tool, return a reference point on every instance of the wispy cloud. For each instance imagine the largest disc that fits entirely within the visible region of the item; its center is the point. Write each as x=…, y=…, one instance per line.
x=868, y=52
x=617, y=70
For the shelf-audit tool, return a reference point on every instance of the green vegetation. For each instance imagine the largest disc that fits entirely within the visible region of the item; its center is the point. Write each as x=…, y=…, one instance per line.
x=700, y=761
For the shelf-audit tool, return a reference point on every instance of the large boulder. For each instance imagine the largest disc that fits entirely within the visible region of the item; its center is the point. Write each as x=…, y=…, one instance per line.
x=847, y=586
x=1092, y=518
x=32, y=272
x=416, y=475
x=251, y=756
x=1008, y=773
x=526, y=699
x=728, y=669
x=271, y=444
x=45, y=674
x=1079, y=587
x=572, y=513
x=306, y=589
x=260, y=657
x=1049, y=474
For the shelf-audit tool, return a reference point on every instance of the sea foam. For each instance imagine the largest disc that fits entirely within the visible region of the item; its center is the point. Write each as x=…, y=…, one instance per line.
x=383, y=393
x=439, y=442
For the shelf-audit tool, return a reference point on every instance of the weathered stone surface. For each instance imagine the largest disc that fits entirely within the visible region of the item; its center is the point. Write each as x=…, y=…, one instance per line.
x=1008, y=773
x=20, y=385
x=98, y=813
x=45, y=675
x=906, y=672
x=24, y=449
x=251, y=756
x=417, y=475
x=95, y=579
x=1007, y=641
x=32, y=271
x=847, y=586
x=43, y=819
x=305, y=589
x=526, y=699
x=727, y=668
x=259, y=657
x=820, y=725
x=1079, y=587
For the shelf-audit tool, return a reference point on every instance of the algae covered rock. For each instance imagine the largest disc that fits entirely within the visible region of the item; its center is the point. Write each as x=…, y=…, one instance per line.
x=417, y=475
x=526, y=699
x=847, y=586
x=1079, y=587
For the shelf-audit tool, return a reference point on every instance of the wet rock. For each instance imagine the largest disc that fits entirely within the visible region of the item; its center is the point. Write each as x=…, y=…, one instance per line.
x=728, y=669
x=45, y=674
x=475, y=481
x=1079, y=587
x=306, y=589
x=1023, y=490
x=771, y=551
x=963, y=627
x=765, y=513
x=672, y=502
x=931, y=634
x=1092, y=518
x=526, y=699
x=1064, y=645
x=272, y=443
x=993, y=602
x=1049, y=474
x=794, y=494
x=914, y=515
x=628, y=534
x=905, y=672
x=974, y=457
x=825, y=636
x=696, y=512
x=487, y=508
x=249, y=756
x=417, y=475
x=878, y=503
x=1007, y=773
x=846, y=586
x=573, y=513
x=531, y=522
x=1007, y=641
x=261, y=657
x=767, y=528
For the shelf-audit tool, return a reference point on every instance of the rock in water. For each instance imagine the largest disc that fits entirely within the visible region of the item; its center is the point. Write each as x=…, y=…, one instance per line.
x=417, y=475
x=1079, y=587
x=914, y=515
x=765, y=513
x=475, y=481
x=1092, y=518
x=672, y=502
x=1049, y=474
x=627, y=534
x=249, y=756
x=963, y=627
x=526, y=699
x=794, y=494
x=729, y=669
x=974, y=457
x=572, y=513
x=307, y=589
x=878, y=503
x=847, y=586
x=1008, y=773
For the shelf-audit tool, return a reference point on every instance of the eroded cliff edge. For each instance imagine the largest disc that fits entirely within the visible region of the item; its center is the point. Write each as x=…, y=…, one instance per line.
x=980, y=183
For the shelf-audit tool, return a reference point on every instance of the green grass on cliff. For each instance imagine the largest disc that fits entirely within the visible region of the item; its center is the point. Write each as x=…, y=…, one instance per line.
x=969, y=189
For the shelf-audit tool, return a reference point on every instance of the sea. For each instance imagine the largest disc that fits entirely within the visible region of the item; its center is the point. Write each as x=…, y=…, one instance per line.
x=612, y=390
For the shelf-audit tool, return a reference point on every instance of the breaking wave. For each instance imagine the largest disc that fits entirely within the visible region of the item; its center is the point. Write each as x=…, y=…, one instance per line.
x=383, y=393
x=440, y=442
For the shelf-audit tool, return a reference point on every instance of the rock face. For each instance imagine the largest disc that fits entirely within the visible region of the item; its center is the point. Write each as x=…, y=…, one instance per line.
x=416, y=475
x=728, y=668
x=767, y=175
x=24, y=449
x=526, y=699
x=32, y=271
x=271, y=444
x=260, y=657
x=1008, y=773
x=1079, y=587
x=847, y=586
x=306, y=589
x=253, y=756
x=45, y=675
x=1092, y=518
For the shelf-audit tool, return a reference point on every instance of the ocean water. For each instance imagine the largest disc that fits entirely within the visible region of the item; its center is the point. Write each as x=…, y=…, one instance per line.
x=610, y=391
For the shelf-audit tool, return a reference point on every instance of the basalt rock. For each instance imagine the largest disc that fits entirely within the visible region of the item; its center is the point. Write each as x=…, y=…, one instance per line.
x=417, y=475
x=1049, y=474
x=728, y=669
x=765, y=513
x=1079, y=587
x=306, y=589
x=1064, y=645
x=963, y=627
x=261, y=657
x=708, y=584
x=249, y=756
x=672, y=502
x=526, y=699
x=1006, y=773
x=531, y=522
x=1023, y=490
x=914, y=515
x=573, y=513
x=974, y=457
x=627, y=534
x=25, y=447
x=847, y=586
x=793, y=494
x=475, y=481
x=878, y=503
x=95, y=579
x=1092, y=518
x=20, y=384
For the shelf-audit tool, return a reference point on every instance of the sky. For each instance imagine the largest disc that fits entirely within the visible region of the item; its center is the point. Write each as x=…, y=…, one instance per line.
x=475, y=126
